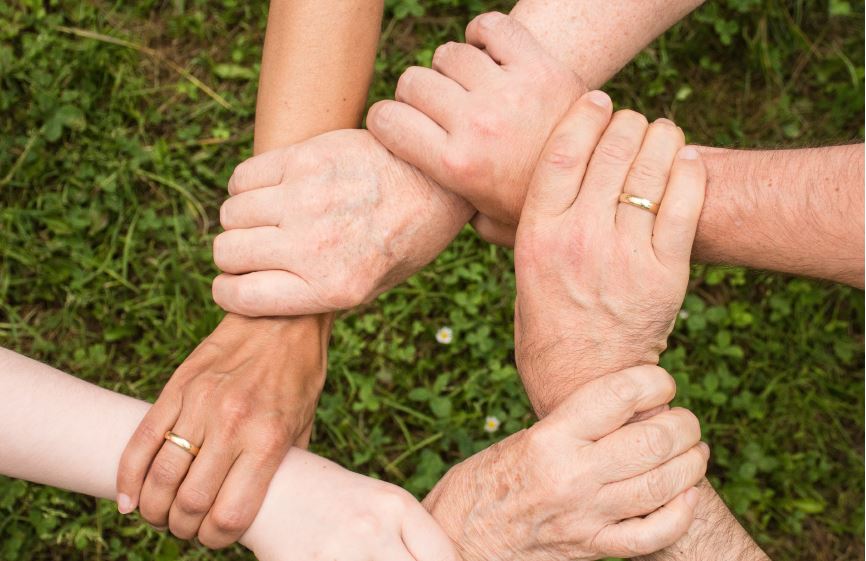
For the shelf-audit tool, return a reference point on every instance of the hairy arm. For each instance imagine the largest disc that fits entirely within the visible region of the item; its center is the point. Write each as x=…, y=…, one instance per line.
x=793, y=211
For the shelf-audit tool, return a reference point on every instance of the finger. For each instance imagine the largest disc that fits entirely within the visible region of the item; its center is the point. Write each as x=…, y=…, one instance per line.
x=563, y=162
x=142, y=448
x=264, y=170
x=680, y=211
x=648, y=178
x=410, y=135
x=600, y=407
x=505, y=38
x=641, y=536
x=610, y=164
x=267, y=293
x=254, y=249
x=493, y=231
x=645, y=493
x=431, y=93
x=259, y=207
x=394, y=552
x=465, y=64
x=199, y=489
x=425, y=539
x=168, y=471
x=639, y=447
x=238, y=500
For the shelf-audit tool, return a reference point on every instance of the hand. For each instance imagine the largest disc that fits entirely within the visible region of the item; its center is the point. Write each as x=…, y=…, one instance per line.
x=245, y=395
x=317, y=510
x=599, y=282
x=477, y=121
x=326, y=225
x=575, y=485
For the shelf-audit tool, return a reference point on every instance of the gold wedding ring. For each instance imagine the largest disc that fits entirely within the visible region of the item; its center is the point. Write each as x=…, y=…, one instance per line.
x=182, y=443
x=639, y=202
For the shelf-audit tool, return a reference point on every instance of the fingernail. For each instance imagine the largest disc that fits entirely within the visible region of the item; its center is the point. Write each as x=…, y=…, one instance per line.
x=692, y=497
x=599, y=98
x=706, y=448
x=689, y=153
x=663, y=121
x=124, y=504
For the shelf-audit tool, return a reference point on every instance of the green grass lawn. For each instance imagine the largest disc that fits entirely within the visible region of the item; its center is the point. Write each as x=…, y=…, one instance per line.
x=113, y=164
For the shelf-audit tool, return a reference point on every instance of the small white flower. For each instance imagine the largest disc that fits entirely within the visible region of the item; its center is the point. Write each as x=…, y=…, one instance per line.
x=684, y=314
x=491, y=424
x=445, y=335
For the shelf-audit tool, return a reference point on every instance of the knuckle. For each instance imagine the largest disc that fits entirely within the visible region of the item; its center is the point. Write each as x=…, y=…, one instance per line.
x=443, y=53
x=656, y=486
x=624, y=389
x=235, y=407
x=194, y=501
x=656, y=441
x=405, y=82
x=631, y=119
x=616, y=150
x=486, y=124
x=648, y=172
x=239, y=177
x=688, y=422
x=165, y=471
x=458, y=163
x=229, y=520
x=564, y=152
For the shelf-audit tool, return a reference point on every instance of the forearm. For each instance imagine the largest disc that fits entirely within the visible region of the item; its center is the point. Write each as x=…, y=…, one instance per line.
x=58, y=430
x=316, y=68
x=317, y=64
x=715, y=534
x=792, y=211
x=596, y=39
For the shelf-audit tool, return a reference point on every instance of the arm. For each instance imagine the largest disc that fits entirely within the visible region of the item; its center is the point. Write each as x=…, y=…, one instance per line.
x=793, y=211
x=797, y=211
x=353, y=176
x=58, y=430
x=253, y=384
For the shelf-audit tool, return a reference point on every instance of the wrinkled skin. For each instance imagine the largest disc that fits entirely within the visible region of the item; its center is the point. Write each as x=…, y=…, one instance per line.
x=326, y=225
x=575, y=484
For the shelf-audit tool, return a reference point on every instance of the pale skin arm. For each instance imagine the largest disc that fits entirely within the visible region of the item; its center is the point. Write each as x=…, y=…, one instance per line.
x=61, y=431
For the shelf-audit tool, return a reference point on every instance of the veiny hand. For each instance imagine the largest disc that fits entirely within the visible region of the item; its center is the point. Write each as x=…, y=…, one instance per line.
x=477, y=121
x=317, y=510
x=575, y=485
x=326, y=225
x=599, y=282
x=245, y=395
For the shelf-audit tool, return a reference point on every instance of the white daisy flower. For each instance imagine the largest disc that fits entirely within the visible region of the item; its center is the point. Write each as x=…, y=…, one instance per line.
x=491, y=424
x=445, y=335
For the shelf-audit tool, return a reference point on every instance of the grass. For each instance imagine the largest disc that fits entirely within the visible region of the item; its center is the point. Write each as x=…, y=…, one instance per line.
x=120, y=123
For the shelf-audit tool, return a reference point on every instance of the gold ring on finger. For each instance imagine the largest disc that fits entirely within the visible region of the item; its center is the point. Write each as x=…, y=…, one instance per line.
x=181, y=442
x=639, y=202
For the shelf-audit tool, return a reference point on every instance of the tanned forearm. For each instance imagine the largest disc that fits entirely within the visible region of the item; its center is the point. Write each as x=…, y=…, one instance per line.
x=596, y=39
x=316, y=70
x=792, y=211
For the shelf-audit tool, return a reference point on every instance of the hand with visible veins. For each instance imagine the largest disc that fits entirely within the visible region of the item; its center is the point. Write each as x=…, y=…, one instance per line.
x=245, y=395
x=327, y=224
